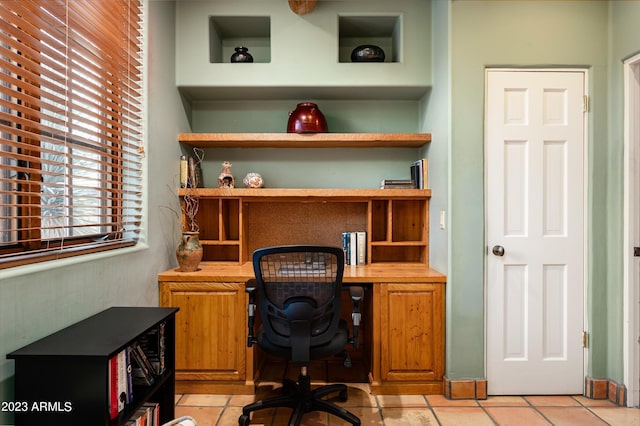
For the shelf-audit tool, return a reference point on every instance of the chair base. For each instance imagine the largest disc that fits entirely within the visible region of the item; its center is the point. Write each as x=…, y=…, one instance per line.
x=299, y=397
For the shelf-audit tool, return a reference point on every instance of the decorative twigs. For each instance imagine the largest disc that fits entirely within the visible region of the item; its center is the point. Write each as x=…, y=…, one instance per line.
x=190, y=200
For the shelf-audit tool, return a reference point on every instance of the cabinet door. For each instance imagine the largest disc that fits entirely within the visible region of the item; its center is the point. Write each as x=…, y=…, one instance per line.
x=210, y=329
x=412, y=332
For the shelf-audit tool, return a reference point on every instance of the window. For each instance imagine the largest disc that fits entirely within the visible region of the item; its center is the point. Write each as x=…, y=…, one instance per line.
x=70, y=127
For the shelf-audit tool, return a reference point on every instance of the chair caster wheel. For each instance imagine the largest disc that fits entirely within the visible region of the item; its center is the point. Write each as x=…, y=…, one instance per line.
x=343, y=396
x=243, y=420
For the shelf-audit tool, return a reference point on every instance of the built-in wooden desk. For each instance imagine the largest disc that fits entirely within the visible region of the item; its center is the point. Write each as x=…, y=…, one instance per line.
x=402, y=329
x=402, y=332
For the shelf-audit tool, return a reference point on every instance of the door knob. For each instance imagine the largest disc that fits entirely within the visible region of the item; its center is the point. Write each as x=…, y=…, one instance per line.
x=498, y=250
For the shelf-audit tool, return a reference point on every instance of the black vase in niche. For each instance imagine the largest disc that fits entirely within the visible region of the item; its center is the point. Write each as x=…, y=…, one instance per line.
x=367, y=53
x=241, y=55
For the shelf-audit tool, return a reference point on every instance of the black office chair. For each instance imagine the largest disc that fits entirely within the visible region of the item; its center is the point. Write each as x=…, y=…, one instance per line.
x=299, y=301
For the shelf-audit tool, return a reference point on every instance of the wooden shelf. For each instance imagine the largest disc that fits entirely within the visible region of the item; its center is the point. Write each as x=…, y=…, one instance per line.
x=307, y=140
x=296, y=194
x=220, y=242
x=400, y=243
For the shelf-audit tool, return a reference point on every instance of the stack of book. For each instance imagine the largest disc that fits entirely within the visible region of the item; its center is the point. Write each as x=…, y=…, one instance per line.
x=142, y=372
x=147, y=415
x=138, y=364
x=397, y=184
x=120, y=383
x=419, y=172
x=354, y=245
x=152, y=345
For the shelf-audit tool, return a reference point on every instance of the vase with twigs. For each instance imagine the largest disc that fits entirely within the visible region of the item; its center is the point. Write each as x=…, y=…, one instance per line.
x=189, y=251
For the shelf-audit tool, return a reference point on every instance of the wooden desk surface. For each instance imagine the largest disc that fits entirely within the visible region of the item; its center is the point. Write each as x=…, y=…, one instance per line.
x=377, y=272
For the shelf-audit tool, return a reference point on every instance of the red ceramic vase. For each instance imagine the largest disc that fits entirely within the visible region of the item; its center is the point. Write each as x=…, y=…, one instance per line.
x=306, y=118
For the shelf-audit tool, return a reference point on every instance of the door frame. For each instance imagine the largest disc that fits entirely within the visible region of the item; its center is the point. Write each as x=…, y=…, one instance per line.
x=585, y=178
x=631, y=233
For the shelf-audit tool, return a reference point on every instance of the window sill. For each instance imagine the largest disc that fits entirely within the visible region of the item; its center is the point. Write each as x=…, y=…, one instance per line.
x=74, y=260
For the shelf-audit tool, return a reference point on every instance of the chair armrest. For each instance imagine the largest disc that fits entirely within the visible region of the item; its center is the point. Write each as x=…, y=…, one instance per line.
x=357, y=295
x=250, y=288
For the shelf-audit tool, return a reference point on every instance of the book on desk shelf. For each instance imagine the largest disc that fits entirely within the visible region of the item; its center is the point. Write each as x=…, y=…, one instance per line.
x=312, y=263
x=354, y=245
x=292, y=269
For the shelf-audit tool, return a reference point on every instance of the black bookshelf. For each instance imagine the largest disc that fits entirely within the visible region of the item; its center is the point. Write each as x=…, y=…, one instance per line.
x=63, y=379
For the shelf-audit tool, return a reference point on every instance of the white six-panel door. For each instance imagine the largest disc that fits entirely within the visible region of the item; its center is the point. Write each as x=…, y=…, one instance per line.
x=535, y=193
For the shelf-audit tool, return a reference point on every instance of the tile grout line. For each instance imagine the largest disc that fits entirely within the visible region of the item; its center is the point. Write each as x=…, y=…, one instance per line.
x=535, y=408
x=484, y=410
x=224, y=409
x=430, y=407
x=588, y=408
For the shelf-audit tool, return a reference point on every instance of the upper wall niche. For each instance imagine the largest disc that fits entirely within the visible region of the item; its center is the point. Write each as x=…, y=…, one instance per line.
x=302, y=56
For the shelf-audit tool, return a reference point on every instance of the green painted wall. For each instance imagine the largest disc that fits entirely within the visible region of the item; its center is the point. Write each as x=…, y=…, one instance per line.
x=436, y=112
x=309, y=168
x=304, y=67
x=305, y=49
x=521, y=34
x=537, y=34
x=624, y=43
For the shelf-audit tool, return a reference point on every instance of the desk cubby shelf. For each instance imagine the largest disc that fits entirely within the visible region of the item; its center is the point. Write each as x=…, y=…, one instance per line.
x=235, y=222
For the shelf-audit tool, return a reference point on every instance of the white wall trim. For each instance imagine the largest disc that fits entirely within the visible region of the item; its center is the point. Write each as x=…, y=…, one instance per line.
x=631, y=234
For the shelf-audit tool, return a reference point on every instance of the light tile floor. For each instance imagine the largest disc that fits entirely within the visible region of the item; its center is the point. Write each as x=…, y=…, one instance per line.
x=410, y=410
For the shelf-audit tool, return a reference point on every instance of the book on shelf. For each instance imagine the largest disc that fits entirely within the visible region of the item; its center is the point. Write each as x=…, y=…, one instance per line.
x=361, y=247
x=163, y=346
x=153, y=411
x=125, y=396
x=313, y=263
x=147, y=415
x=354, y=246
x=129, y=379
x=142, y=370
x=346, y=247
x=153, y=346
x=419, y=173
x=120, y=389
x=113, y=387
x=302, y=267
x=190, y=173
x=397, y=184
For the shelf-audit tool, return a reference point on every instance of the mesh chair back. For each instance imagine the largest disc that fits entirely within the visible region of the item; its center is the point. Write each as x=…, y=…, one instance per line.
x=299, y=283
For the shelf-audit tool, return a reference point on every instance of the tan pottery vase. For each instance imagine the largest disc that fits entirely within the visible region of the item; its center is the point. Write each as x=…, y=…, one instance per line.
x=189, y=252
